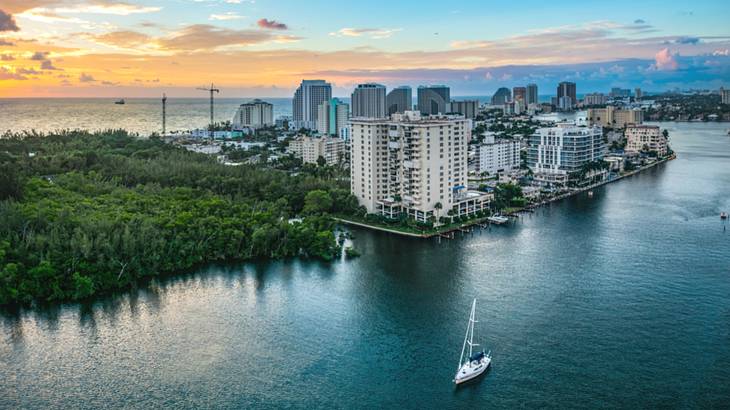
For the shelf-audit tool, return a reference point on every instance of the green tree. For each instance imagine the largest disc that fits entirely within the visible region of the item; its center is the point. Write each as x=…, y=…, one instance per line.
x=317, y=201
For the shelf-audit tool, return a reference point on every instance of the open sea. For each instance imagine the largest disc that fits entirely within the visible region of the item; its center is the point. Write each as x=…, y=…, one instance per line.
x=617, y=301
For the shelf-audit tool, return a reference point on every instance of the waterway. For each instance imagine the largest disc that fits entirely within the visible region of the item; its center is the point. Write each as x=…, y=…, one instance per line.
x=621, y=300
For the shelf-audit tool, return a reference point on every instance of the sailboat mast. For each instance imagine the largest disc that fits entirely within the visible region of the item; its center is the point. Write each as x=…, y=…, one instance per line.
x=471, y=326
x=466, y=337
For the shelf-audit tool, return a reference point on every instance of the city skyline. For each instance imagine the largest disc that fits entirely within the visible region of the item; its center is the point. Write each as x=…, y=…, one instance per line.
x=84, y=48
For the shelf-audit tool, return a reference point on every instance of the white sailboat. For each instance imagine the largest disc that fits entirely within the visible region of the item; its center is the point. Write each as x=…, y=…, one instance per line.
x=476, y=362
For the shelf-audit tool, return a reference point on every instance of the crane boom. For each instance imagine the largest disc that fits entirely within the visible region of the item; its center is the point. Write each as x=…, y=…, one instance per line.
x=212, y=90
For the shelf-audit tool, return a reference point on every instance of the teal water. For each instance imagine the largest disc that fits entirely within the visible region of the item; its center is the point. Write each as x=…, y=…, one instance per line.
x=619, y=301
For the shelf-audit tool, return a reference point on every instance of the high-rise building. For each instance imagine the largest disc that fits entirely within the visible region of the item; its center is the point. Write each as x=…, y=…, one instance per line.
x=332, y=117
x=519, y=94
x=724, y=96
x=618, y=92
x=613, y=117
x=638, y=94
x=532, y=97
x=595, y=99
x=502, y=96
x=567, y=96
x=554, y=153
x=307, y=98
x=433, y=99
x=399, y=100
x=645, y=138
x=467, y=108
x=498, y=155
x=253, y=115
x=414, y=165
x=368, y=100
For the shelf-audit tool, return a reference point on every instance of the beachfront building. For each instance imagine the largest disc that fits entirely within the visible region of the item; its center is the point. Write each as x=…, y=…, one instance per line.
x=253, y=115
x=724, y=96
x=567, y=98
x=645, y=138
x=399, y=100
x=368, y=100
x=307, y=98
x=413, y=164
x=502, y=96
x=555, y=152
x=310, y=149
x=532, y=97
x=434, y=99
x=467, y=108
x=613, y=117
x=332, y=117
x=519, y=94
x=595, y=99
x=497, y=155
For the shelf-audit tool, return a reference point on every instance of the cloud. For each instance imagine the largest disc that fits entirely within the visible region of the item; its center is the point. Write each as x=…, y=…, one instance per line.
x=725, y=52
x=6, y=74
x=7, y=22
x=375, y=33
x=6, y=43
x=687, y=40
x=665, y=60
x=639, y=21
x=6, y=57
x=206, y=37
x=271, y=24
x=27, y=71
x=109, y=83
x=117, y=9
x=86, y=78
x=39, y=56
x=124, y=39
x=231, y=15
x=48, y=65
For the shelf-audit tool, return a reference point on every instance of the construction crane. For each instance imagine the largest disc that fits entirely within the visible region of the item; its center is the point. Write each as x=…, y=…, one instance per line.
x=164, y=102
x=212, y=90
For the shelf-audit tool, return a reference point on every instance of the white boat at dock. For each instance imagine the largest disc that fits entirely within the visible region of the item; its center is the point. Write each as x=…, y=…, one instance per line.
x=498, y=219
x=723, y=215
x=476, y=362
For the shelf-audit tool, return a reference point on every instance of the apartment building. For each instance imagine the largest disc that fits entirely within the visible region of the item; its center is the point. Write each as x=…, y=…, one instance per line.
x=645, y=138
x=555, y=152
x=309, y=149
x=253, y=115
x=613, y=117
x=497, y=155
x=414, y=164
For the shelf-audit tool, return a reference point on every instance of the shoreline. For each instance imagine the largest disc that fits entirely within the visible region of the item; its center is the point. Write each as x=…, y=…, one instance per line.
x=448, y=232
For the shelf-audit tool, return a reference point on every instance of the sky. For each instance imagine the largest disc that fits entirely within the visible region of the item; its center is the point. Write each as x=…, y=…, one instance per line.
x=264, y=48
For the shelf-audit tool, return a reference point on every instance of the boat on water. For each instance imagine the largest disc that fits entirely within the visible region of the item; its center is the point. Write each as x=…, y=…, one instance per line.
x=723, y=215
x=590, y=194
x=119, y=102
x=476, y=363
x=498, y=219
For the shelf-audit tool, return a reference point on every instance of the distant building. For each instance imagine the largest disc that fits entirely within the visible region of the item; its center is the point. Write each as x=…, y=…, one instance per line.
x=502, y=96
x=433, y=99
x=332, y=117
x=399, y=100
x=645, y=138
x=566, y=96
x=514, y=107
x=724, y=96
x=253, y=115
x=500, y=155
x=555, y=152
x=467, y=108
x=368, y=101
x=613, y=117
x=413, y=164
x=617, y=92
x=595, y=99
x=532, y=97
x=307, y=98
x=309, y=149
x=638, y=94
x=519, y=94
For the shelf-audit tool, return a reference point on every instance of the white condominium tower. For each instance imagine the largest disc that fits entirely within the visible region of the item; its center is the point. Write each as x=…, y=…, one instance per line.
x=307, y=98
x=253, y=115
x=332, y=117
x=413, y=164
x=368, y=100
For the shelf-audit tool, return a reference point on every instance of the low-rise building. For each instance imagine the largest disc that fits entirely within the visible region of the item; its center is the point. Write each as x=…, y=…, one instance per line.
x=644, y=138
x=309, y=149
x=613, y=117
x=498, y=155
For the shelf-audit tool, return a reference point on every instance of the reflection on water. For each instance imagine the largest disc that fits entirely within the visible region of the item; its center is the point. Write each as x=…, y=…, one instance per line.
x=623, y=292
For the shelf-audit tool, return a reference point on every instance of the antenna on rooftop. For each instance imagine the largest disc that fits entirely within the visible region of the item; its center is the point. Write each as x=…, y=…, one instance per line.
x=212, y=90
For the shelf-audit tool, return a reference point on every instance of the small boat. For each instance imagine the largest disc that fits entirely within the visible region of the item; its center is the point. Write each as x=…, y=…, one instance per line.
x=498, y=219
x=476, y=362
x=590, y=194
x=723, y=215
x=119, y=102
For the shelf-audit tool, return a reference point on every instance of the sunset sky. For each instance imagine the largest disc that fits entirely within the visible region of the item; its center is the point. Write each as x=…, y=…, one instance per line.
x=80, y=48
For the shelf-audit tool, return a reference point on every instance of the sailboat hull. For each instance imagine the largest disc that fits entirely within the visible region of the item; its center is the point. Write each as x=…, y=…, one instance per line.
x=472, y=370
